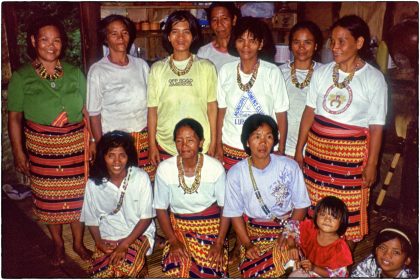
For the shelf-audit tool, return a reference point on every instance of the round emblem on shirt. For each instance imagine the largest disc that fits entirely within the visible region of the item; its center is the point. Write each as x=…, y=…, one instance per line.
x=337, y=101
x=52, y=84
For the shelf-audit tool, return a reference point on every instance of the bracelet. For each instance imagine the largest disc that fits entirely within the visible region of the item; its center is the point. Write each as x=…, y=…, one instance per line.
x=92, y=140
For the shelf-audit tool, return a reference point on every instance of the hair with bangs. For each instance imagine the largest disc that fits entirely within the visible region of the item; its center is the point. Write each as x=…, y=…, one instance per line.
x=393, y=233
x=252, y=123
x=336, y=208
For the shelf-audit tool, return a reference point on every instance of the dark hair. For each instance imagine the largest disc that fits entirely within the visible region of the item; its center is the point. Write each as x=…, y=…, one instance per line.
x=252, y=123
x=103, y=24
x=33, y=30
x=358, y=28
x=194, y=125
x=195, y=29
x=229, y=6
x=260, y=31
x=336, y=207
x=111, y=140
x=312, y=28
x=391, y=233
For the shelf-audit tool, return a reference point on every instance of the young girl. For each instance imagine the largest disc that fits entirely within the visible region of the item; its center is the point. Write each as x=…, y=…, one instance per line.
x=118, y=209
x=321, y=247
x=391, y=255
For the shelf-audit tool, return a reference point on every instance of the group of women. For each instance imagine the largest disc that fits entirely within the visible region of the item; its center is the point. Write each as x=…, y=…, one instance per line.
x=193, y=117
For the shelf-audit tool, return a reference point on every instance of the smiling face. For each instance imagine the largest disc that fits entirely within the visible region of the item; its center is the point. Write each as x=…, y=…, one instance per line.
x=344, y=46
x=187, y=143
x=248, y=47
x=116, y=162
x=221, y=22
x=261, y=142
x=303, y=45
x=48, y=44
x=117, y=36
x=180, y=36
x=391, y=258
x=326, y=222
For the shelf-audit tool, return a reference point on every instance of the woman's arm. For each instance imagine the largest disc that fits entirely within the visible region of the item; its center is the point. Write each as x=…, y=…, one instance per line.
x=370, y=170
x=99, y=242
x=216, y=250
x=252, y=251
x=212, y=115
x=15, y=134
x=151, y=128
x=305, y=124
x=282, y=126
x=219, y=145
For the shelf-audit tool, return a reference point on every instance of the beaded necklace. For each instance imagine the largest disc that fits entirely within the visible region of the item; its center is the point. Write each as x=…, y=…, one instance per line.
x=246, y=87
x=347, y=79
x=177, y=71
x=307, y=80
x=197, y=172
x=42, y=72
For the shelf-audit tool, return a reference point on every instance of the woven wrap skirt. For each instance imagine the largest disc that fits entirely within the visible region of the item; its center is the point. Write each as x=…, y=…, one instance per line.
x=232, y=156
x=141, y=142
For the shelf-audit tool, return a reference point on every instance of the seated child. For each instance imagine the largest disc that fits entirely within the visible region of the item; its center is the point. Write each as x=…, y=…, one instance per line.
x=118, y=209
x=320, y=243
x=392, y=252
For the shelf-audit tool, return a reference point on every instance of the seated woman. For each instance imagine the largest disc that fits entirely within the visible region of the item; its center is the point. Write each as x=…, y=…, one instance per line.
x=118, y=209
x=192, y=186
x=263, y=192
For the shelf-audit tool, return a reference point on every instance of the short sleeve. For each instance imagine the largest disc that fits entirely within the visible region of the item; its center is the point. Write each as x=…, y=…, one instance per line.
x=146, y=206
x=94, y=94
x=234, y=204
x=161, y=195
x=211, y=79
x=153, y=87
x=221, y=94
x=88, y=209
x=220, y=189
x=15, y=93
x=378, y=101
x=300, y=197
x=82, y=85
x=312, y=91
x=281, y=99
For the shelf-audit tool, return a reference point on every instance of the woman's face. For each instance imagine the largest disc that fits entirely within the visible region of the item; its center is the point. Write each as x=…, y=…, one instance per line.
x=187, y=142
x=344, y=46
x=180, y=36
x=391, y=258
x=48, y=44
x=248, y=47
x=116, y=162
x=221, y=22
x=261, y=142
x=303, y=45
x=117, y=36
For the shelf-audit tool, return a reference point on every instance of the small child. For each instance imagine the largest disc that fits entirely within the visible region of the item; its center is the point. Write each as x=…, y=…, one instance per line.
x=321, y=246
x=118, y=210
x=391, y=255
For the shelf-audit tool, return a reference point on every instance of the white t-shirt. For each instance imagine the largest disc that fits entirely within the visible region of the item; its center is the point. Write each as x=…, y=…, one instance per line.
x=280, y=183
x=362, y=103
x=101, y=200
x=267, y=96
x=297, y=103
x=217, y=57
x=118, y=94
x=168, y=193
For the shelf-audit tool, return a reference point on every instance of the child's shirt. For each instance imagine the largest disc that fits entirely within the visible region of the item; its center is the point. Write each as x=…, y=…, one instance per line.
x=368, y=268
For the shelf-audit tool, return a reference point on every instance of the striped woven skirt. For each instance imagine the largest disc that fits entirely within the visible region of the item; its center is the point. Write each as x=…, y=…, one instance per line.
x=197, y=232
x=263, y=234
x=141, y=142
x=334, y=160
x=231, y=156
x=58, y=159
x=133, y=266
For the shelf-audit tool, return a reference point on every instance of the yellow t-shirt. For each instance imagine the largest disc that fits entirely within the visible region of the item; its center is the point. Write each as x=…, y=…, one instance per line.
x=179, y=97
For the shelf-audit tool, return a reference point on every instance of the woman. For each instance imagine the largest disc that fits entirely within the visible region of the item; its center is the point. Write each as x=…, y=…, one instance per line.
x=192, y=186
x=117, y=88
x=118, y=209
x=249, y=86
x=305, y=39
x=222, y=17
x=49, y=96
x=263, y=192
x=180, y=86
x=342, y=125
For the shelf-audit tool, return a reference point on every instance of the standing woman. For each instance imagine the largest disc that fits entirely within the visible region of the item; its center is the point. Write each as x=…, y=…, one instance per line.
x=180, y=86
x=48, y=95
x=342, y=125
x=117, y=88
x=222, y=17
x=305, y=39
x=251, y=85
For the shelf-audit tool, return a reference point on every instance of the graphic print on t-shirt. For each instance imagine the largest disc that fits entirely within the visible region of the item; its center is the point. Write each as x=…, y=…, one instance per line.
x=247, y=106
x=280, y=190
x=337, y=101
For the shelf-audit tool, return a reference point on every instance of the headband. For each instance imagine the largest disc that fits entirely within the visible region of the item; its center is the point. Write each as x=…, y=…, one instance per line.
x=397, y=231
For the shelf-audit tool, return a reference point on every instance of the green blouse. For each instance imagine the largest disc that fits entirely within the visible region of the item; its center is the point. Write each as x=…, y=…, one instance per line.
x=40, y=102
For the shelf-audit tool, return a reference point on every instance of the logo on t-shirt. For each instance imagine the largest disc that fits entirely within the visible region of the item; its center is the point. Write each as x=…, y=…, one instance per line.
x=279, y=189
x=247, y=106
x=180, y=82
x=337, y=101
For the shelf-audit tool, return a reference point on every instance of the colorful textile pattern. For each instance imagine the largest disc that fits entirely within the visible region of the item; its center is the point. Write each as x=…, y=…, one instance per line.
x=197, y=232
x=263, y=234
x=334, y=159
x=163, y=154
x=133, y=266
x=231, y=156
x=59, y=167
x=141, y=142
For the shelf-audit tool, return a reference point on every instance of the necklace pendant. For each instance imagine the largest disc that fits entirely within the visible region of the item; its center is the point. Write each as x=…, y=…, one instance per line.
x=52, y=84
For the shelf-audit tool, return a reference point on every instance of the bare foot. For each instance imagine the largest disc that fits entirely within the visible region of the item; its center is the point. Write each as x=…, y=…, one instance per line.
x=234, y=254
x=58, y=257
x=160, y=241
x=83, y=252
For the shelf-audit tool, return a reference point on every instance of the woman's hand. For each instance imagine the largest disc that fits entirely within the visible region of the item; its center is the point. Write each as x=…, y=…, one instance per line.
x=368, y=175
x=92, y=151
x=216, y=256
x=299, y=159
x=21, y=163
x=118, y=255
x=105, y=247
x=219, y=153
x=212, y=149
x=178, y=252
x=154, y=157
x=307, y=265
x=252, y=251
